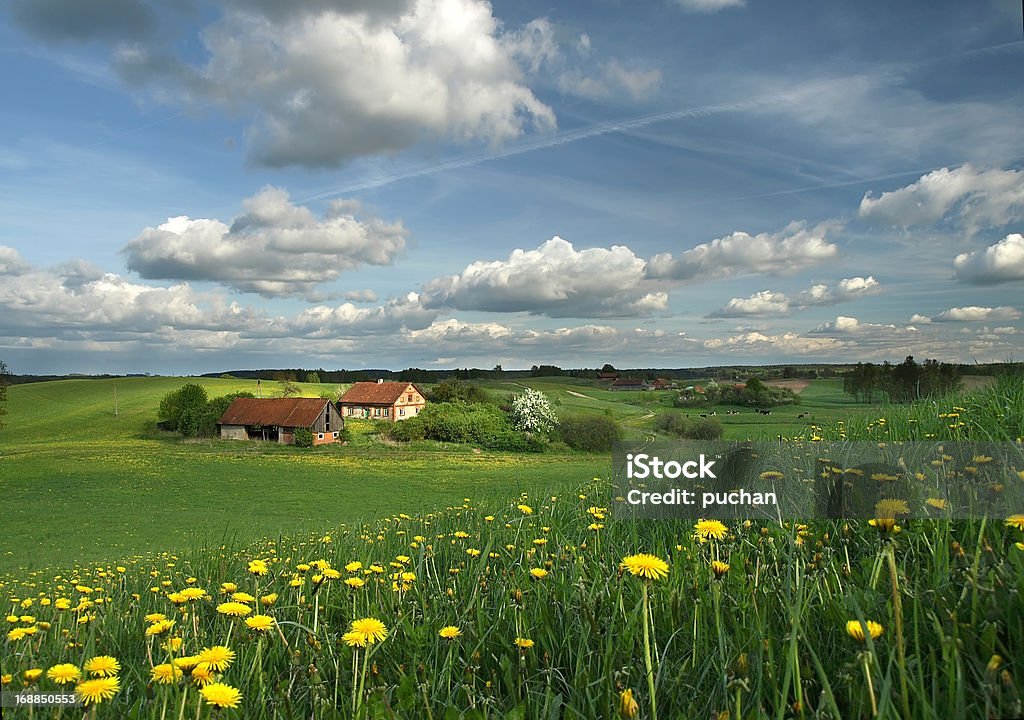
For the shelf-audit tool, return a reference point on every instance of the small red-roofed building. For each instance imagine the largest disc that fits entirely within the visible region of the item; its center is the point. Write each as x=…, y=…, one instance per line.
x=277, y=419
x=382, y=400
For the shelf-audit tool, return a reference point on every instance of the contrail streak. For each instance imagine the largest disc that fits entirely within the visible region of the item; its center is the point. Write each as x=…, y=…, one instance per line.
x=564, y=138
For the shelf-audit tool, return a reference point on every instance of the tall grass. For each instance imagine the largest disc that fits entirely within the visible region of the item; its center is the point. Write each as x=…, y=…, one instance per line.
x=766, y=639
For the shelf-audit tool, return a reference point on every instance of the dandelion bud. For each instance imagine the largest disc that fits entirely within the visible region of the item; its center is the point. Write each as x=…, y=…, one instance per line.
x=628, y=706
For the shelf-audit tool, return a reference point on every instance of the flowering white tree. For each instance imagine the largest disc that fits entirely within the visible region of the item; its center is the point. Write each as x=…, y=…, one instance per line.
x=531, y=412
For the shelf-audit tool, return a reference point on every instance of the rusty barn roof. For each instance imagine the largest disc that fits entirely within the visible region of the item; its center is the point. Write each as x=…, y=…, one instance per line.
x=376, y=393
x=286, y=412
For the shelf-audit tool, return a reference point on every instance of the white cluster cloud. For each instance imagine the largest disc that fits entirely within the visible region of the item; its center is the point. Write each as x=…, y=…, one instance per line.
x=335, y=82
x=1002, y=262
x=788, y=343
x=976, y=199
x=768, y=302
x=555, y=280
x=796, y=247
x=974, y=313
x=276, y=248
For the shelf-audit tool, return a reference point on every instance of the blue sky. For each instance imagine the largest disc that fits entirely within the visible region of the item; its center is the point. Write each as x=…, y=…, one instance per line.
x=190, y=187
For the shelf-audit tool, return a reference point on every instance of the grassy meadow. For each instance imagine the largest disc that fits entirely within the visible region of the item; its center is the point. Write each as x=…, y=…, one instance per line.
x=219, y=580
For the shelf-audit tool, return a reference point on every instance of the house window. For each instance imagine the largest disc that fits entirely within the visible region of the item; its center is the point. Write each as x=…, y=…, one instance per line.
x=401, y=412
x=335, y=433
x=319, y=436
x=327, y=421
x=409, y=399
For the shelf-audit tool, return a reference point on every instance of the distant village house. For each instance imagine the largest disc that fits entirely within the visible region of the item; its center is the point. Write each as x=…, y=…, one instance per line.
x=277, y=419
x=628, y=384
x=381, y=400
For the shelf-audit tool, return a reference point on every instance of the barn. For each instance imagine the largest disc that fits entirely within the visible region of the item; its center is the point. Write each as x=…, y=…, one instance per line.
x=381, y=400
x=277, y=419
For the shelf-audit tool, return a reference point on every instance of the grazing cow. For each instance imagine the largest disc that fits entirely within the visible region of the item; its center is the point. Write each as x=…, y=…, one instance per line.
x=764, y=412
x=712, y=413
x=802, y=415
x=703, y=415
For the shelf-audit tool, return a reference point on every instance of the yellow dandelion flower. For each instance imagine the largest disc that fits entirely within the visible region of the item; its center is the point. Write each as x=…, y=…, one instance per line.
x=102, y=666
x=203, y=674
x=260, y=623
x=155, y=617
x=645, y=565
x=160, y=627
x=525, y=509
x=221, y=695
x=186, y=662
x=258, y=567
x=538, y=573
x=472, y=552
x=891, y=507
x=242, y=597
x=193, y=593
x=228, y=588
x=937, y=503
x=719, y=568
x=449, y=632
x=771, y=475
x=710, y=530
x=218, y=657
x=855, y=629
x=371, y=629
x=523, y=643
x=354, y=639
x=17, y=634
x=64, y=673
x=234, y=609
x=165, y=674
x=95, y=691
x=268, y=599
x=1015, y=521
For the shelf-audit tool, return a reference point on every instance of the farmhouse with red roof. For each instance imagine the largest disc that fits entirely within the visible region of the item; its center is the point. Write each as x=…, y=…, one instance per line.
x=381, y=400
x=277, y=419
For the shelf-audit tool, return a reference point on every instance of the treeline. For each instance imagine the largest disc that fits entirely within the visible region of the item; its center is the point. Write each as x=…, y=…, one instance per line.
x=751, y=393
x=904, y=382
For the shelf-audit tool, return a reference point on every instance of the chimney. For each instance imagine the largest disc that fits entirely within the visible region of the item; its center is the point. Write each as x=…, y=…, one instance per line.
x=380, y=381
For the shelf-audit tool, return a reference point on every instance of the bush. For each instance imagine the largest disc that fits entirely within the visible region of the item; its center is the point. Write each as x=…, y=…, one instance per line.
x=303, y=437
x=182, y=409
x=591, y=433
x=407, y=430
x=482, y=424
x=531, y=412
x=689, y=428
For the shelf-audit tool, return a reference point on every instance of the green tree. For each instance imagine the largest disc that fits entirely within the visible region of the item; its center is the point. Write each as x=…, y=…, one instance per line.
x=289, y=389
x=313, y=377
x=183, y=409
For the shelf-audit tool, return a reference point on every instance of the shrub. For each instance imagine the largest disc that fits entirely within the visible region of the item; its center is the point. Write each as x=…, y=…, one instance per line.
x=182, y=409
x=481, y=424
x=689, y=428
x=592, y=433
x=303, y=437
x=407, y=430
x=531, y=412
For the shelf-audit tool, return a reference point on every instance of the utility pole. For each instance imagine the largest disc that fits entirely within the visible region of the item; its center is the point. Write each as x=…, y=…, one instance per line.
x=115, y=401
